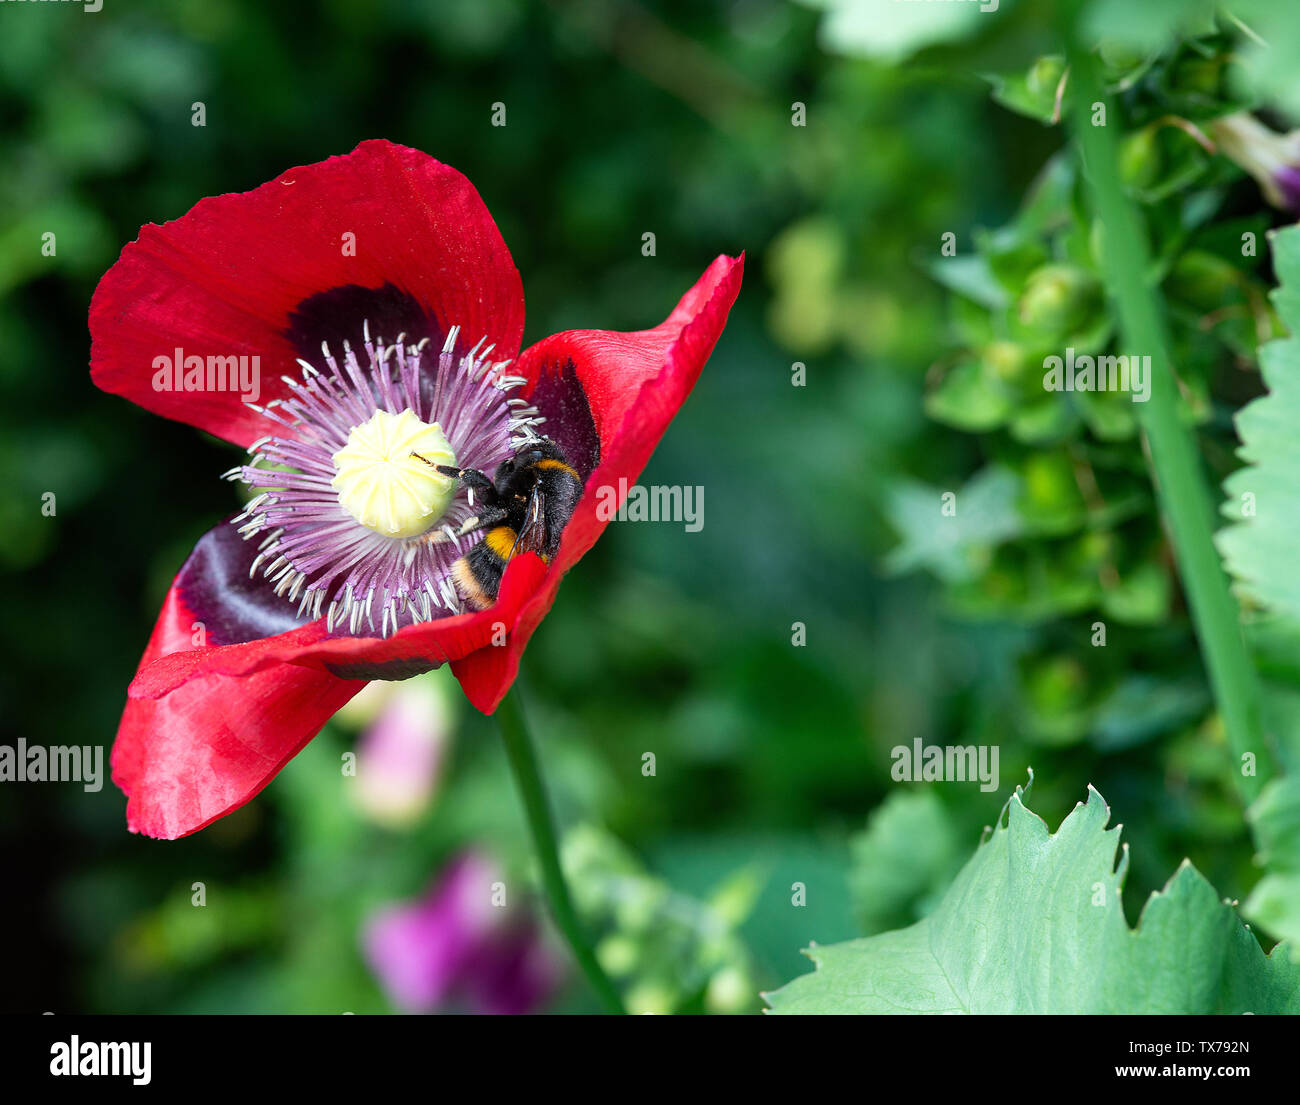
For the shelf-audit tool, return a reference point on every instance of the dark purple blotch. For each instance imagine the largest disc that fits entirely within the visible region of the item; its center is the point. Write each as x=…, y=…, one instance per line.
x=341, y=313
x=558, y=396
x=216, y=586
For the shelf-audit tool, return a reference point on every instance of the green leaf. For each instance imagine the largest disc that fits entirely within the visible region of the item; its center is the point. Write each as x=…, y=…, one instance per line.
x=968, y=400
x=1032, y=92
x=970, y=276
x=1034, y=923
x=1012, y=255
x=1263, y=498
x=1150, y=24
x=1046, y=422
x=903, y=860
x=1275, y=820
x=1144, y=706
x=1141, y=597
x=1269, y=51
x=892, y=31
x=1275, y=817
x=955, y=546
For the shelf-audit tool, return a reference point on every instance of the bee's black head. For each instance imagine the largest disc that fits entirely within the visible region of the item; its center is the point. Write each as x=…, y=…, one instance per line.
x=541, y=449
x=546, y=449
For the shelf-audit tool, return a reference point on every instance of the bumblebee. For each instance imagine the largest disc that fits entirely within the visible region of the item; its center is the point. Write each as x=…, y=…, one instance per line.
x=524, y=509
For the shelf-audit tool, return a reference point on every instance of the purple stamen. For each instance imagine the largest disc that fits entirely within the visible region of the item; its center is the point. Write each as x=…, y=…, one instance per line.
x=316, y=554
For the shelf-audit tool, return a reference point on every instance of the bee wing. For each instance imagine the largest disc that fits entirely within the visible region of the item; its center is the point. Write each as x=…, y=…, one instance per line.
x=532, y=534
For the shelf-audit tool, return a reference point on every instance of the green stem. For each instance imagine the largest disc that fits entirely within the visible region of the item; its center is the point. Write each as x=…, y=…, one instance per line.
x=523, y=763
x=1180, y=482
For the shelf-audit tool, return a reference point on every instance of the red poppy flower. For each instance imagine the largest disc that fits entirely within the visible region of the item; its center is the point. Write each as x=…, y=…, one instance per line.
x=345, y=310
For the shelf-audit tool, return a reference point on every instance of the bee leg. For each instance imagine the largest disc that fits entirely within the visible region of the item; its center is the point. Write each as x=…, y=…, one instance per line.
x=477, y=483
x=472, y=478
x=489, y=517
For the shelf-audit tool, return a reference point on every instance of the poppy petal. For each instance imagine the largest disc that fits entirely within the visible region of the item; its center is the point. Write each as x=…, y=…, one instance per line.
x=412, y=650
x=227, y=608
x=194, y=755
x=385, y=234
x=633, y=385
x=231, y=602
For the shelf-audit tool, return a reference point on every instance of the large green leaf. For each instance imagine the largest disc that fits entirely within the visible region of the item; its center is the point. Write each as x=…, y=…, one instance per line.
x=1034, y=923
x=1259, y=549
x=1269, y=51
x=892, y=31
x=1263, y=498
x=1148, y=25
x=1275, y=820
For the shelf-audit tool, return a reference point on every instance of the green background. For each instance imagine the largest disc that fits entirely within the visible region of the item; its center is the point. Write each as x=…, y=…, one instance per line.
x=673, y=118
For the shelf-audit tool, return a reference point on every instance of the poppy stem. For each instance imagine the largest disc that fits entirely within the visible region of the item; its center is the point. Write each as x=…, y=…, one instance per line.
x=1186, y=504
x=528, y=777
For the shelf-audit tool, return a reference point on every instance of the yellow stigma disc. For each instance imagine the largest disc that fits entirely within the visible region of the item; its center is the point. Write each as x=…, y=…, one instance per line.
x=385, y=488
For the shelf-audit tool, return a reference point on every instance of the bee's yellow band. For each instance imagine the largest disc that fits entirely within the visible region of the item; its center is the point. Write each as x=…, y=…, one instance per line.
x=501, y=541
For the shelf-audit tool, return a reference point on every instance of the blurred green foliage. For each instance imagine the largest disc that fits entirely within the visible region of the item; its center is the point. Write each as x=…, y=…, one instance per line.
x=921, y=377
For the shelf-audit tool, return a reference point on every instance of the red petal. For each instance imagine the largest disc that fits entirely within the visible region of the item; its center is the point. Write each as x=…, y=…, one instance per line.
x=224, y=279
x=208, y=747
x=634, y=384
x=412, y=649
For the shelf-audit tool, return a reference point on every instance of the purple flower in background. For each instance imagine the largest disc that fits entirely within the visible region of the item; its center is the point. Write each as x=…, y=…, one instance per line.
x=401, y=752
x=454, y=947
x=1271, y=158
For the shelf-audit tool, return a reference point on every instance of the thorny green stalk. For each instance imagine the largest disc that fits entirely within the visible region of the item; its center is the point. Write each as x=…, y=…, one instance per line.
x=1181, y=487
x=523, y=764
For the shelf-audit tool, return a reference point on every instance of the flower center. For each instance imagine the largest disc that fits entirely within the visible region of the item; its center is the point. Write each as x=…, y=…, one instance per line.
x=383, y=486
x=343, y=513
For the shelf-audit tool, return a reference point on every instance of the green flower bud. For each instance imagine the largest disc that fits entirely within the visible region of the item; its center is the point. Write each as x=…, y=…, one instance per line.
x=730, y=990
x=1204, y=280
x=1049, y=484
x=1059, y=299
x=618, y=954
x=1005, y=361
x=1139, y=158
x=651, y=996
x=1094, y=548
x=1197, y=76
